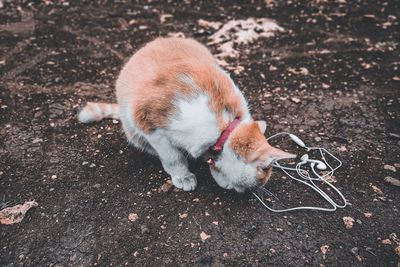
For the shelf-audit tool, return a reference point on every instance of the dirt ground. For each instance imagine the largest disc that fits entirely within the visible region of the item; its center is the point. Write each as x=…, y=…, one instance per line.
x=332, y=77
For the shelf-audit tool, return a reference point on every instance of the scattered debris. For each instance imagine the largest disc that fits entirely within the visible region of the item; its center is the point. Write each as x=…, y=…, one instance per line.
x=342, y=149
x=368, y=214
x=302, y=71
x=204, y=236
x=183, y=215
x=386, y=241
x=295, y=100
x=16, y=213
x=395, y=240
x=354, y=251
x=144, y=229
x=392, y=180
x=176, y=34
x=164, y=17
x=348, y=222
x=324, y=249
x=271, y=252
x=209, y=24
x=166, y=186
x=238, y=32
x=215, y=222
x=389, y=168
x=376, y=189
x=133, y=217
x=196, y=200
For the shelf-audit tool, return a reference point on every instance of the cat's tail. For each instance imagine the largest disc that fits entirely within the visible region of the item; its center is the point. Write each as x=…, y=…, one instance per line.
x=92, y=112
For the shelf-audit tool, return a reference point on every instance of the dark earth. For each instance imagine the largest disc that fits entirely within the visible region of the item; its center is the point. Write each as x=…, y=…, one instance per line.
x=57, y=55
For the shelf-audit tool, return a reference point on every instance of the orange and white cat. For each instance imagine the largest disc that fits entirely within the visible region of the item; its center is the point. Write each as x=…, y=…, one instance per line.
x=173, y=99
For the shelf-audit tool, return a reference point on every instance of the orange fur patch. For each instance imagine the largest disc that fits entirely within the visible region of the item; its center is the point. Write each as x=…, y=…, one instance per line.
x=153, y=78
x=249, y=142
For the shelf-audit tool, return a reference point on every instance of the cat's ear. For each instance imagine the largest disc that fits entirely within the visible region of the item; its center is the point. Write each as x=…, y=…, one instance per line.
x=273, y=154
x=262, y=125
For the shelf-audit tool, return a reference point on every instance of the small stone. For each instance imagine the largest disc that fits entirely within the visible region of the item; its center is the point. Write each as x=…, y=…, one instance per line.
x=325, y=86
x=295, y=100
x=196, y=200
x=53, y=177
x=37, y=140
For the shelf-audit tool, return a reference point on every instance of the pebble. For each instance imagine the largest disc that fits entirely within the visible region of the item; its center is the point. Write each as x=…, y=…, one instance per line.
x=295, y=100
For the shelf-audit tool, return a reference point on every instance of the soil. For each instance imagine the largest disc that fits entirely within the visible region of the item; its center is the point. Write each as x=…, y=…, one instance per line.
x=56, y=55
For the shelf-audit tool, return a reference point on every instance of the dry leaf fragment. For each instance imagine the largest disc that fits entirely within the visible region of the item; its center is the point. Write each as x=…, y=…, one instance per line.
x=368, y=214
x=209, y=24
x=176, y=34
x=133, y=217
x=348, y=221
x=215, y=222
x=204, y=236
x=164, y=17
x=183, y=215
x=389, y=168
x=295, y=100
x=166, y=186
x=397, y=250
x=15, y=214
x=302, y=71
x=392, y=180
x=324, y=249
x=386, y=241
x=376, y=189
x=342, y=149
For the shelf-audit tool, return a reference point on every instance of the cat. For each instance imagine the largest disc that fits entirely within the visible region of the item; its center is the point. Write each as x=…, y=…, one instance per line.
x=173, y=99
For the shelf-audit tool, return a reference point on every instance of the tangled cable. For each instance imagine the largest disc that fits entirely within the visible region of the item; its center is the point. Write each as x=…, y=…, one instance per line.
x=304, y=176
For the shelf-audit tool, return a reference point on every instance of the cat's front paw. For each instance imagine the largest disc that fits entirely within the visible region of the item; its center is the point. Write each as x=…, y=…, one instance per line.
x=187, y=183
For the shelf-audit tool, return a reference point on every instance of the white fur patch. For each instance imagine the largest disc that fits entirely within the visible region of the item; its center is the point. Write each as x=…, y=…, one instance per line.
x=194, y=126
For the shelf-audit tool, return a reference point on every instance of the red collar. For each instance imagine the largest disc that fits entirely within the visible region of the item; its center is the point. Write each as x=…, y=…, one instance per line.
x=217, y=148
x=225, y=134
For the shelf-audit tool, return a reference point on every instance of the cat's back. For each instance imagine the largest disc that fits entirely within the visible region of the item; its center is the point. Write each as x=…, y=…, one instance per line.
x=167, y=68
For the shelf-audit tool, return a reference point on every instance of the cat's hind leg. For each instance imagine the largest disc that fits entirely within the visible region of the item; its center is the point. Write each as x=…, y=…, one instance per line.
x=174, y=162
x=138, y=141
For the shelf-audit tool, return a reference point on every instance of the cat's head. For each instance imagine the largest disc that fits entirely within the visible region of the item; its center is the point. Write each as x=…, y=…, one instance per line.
x=245, y=162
